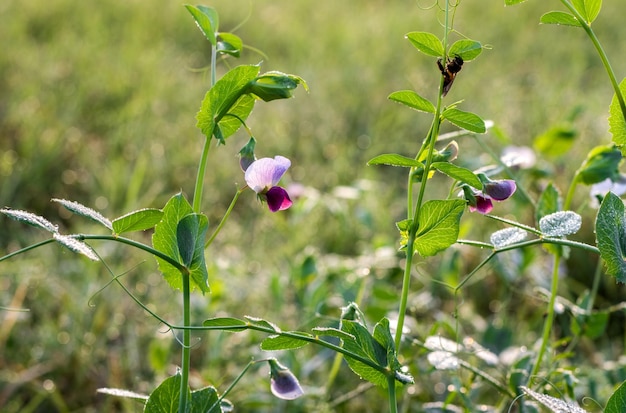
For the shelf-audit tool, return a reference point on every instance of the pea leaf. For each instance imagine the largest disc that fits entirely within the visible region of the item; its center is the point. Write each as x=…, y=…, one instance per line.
x=427, y=43
x=207, y=20
x=617, y=124
x=227, y=97
x=190, y=236
x=466, y=120
x=393, y=159
x=139, y=220
x=465, y=48
x=617, y=401
x=438, y=226
x=611, y=235
x=459, y=173
x=413, y=100
x=560, y=18
x=281, y=342
x=164, y=238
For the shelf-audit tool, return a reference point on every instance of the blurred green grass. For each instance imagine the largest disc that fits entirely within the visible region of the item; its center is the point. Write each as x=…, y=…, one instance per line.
x=97, y=105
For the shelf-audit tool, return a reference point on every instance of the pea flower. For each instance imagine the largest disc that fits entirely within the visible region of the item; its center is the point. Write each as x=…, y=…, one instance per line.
x=284, y=384
x=497, y=190
x=262, y=176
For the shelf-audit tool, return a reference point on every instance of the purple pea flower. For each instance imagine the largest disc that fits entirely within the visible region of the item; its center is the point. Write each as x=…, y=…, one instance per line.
x=497, y=190
x=262, y=176
x=284, y=384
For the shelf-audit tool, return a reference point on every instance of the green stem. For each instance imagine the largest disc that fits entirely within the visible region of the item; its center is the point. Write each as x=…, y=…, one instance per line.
x=391, y=392
x=225, y=217
x=197, y=193
x=26, y=249
x=186, y=353
x=547, y=327
x=605, y=60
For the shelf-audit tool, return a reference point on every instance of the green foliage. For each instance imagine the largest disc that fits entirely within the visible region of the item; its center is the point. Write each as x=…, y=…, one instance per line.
x=617, y=401
x=617, y=124
x=139, y=220
x=611, y=236
x=412, y=100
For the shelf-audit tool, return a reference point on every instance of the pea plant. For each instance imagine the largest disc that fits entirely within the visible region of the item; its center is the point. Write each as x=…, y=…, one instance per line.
x=385, y=354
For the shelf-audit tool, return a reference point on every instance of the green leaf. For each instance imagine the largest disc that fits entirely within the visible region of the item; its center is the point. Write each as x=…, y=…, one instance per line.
x=226, y=104
x=512, y=2
x=332, y=332
x=275, y=85
x=617, y=124
x=617, y=401
x=82, y=210
x=549, y=202
x=465, y=120
x=465, y=48
x=559, y=17
x=164, y=399
x=139, y=220
x=459, y=173
x=229, y=43
x=255, y=321
x=413, y=100
x=556, y=140
x=426, y=43
x=365, y=346
x=31, y=219
x=602, y=162
x=393, y=159
x=588, y=9
x=164, y=238
x=280, y=342
x=76, y=246
x=203, y=399
x=207, y=20
x=611, y=235
x=438, y=226
x=226, y=322
x=560, y=223
x=190, y=236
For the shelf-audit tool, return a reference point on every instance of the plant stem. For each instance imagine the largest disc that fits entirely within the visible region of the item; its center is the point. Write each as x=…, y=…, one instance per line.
x=225, y=217
x=391, y=392
x=605, y=60
x=186, y=356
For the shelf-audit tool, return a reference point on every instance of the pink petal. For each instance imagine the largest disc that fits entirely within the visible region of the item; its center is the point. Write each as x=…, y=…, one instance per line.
x=278, y=199
x=483, y=205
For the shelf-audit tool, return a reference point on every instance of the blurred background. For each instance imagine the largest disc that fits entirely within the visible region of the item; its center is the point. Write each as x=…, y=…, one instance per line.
x=98, y=104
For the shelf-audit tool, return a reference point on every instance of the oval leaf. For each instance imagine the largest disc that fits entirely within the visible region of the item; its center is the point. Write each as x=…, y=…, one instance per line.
x=560, y=224
x=559, y=17
x=139, y=220
x=393, y=159
x=413, y=100
x=467, y=49
x=617, y=401
x=459, y=173
x=438, y=226
x=228, y=323
x=283, y=342
x=465, y=120
x=617, y=124
x=426, y=43
x=206, y=19
x=611, y=235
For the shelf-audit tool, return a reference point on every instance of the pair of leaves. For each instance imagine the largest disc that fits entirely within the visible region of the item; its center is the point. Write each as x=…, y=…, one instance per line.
x=431, y=45
x=588, y=10
x=207, y=21
x=180, y=235
x=465, y=120
x=165, y=399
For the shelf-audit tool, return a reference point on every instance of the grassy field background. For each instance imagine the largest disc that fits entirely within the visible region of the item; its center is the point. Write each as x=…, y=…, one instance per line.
x=98, y=104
